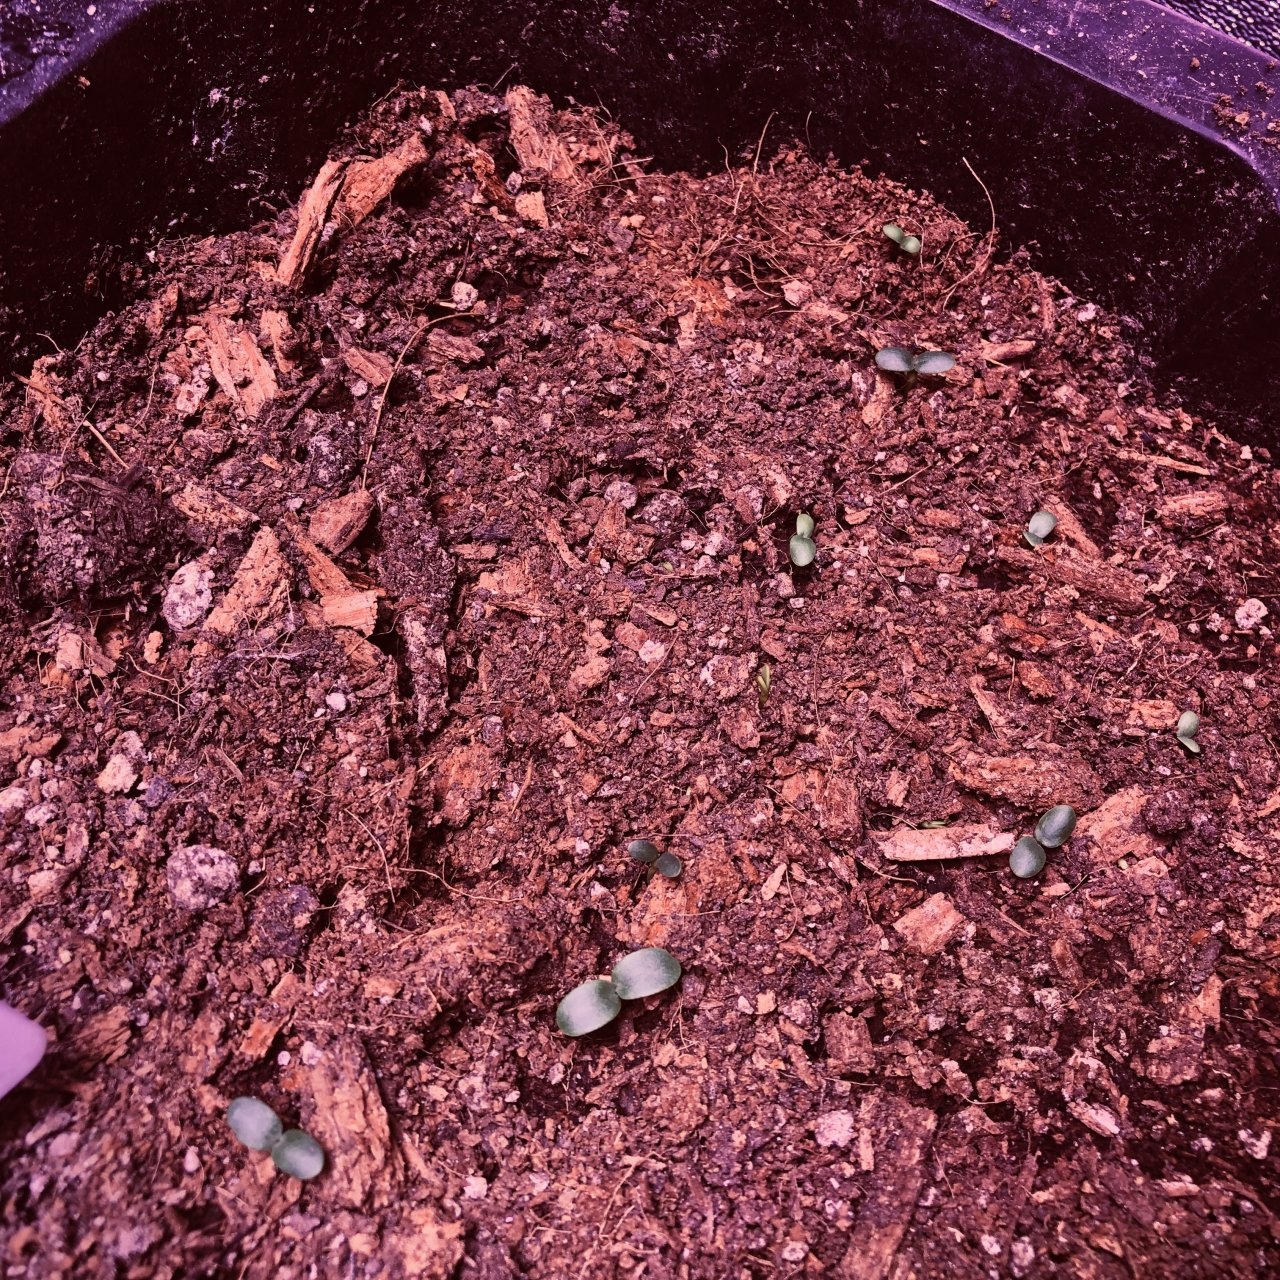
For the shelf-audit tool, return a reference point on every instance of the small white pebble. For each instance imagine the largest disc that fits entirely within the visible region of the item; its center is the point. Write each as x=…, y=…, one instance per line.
x=475, y=1188
x=336, y=701
x=284, y=1057
x=795, y=1251
x=191, y=1160
x=309, y=1053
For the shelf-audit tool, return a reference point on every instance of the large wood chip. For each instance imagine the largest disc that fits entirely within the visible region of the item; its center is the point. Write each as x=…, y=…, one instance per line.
x=338, y=522
x=532, y=207
x=1104, y=581
x=44, y=392
x=534, y=140
x=999, y=352
x=930, y=926
x=241, y=370
x=1115, y=829
x=258, y=586
x=372, y=366
x=278, y=331
x=369, y=182
x=325, y=577
x=1051, y=776
x=1070, y=529
x=939, y=844
x=896, y=1137
x=347, y=1117
x=459, y=350
x=1206, y=504
x=313, y=213
x=355, y=609
x=204, y=506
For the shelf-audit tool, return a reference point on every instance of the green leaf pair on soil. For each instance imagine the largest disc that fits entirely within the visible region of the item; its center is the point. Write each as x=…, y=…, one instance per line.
x=666, y=864
x=1027, y=858
x=1188, y=727
x=594, y=1004
x=292, y=1151
x=912, y=364
x=1040, y=528
x=907, y=243
x=802, y=549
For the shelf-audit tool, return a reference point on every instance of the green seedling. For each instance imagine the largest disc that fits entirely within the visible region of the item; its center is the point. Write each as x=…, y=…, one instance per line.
x=644, y=851
x=1055, y=827
x=1188, y=727
x=595, y=1004
x=764, y=682
x=914, y=364
x=802, y=548
x=668, y=865
x=645, y=973
x=588, y=1007
x=254, y=1123
x=292, y=1151
x=298, y=1154
x=1027, y=858
x=1040, y=528
x=907, y=243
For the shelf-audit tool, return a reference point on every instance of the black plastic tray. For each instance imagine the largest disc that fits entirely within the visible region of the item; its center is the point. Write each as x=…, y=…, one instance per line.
x=1129, y=147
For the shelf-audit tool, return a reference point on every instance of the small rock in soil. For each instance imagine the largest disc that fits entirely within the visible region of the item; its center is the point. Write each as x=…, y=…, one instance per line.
x=189, y=596
x=200, y=876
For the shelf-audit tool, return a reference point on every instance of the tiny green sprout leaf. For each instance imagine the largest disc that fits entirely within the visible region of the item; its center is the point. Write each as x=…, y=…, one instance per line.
x=644, y=851
x=588, y=1007
x=298, y=1154
x=1055, y=827
x=668, y=865
x=645, y=973
x=931, y=362
x=910, y=244
x=933, y=824
x=894, y=232
x=895, y=360
x=254, y=1123
x=1027, y=858
x=764, y=682
x=804, y=525
x=802, y=551
x=1040, y=528
x=1188, y=727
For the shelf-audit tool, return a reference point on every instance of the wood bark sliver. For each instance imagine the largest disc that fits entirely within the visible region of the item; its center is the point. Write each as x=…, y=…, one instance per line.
x=971, y=840
x=367, y=183
x=342, y=603
x=278, y=331
x=1072, y=531
x=313, y=213
x=258, y=586
x=896, y=1137
x=535, y=142
x=337, y=522
x=204, y=506
x=1093, y=578
x=372, y=366
x=1001, y=352
x=44, y=391
x=239, y=368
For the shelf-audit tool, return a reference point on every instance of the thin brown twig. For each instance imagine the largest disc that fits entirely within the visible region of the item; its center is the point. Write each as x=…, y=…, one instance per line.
x=386, y=388
x=991, y=239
